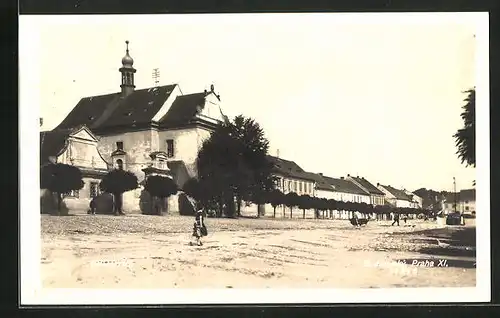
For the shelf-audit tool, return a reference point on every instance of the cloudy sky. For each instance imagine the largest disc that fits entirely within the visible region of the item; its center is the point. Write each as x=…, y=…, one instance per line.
x=374, y=96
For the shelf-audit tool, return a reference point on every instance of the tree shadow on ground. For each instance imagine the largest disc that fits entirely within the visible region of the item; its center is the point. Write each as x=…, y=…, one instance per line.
x=455, y=241
x=455, y=236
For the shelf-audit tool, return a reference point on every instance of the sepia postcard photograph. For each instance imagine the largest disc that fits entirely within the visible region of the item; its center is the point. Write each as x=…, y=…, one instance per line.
x=254, y=158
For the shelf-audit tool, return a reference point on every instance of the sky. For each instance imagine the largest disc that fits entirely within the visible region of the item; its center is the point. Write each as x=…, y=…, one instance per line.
x=378, y=96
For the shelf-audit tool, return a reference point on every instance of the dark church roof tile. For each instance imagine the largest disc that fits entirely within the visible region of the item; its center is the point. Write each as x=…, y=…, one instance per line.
x=114, y=110
x=183, y=109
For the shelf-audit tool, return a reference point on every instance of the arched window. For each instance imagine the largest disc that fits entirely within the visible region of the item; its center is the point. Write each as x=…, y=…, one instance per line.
x=119, y=164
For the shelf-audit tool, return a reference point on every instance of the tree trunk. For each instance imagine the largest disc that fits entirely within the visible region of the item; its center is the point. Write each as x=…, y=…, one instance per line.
x=117, y=203
x=153, y=203
x=238, y=211
x=59, y=201
x=274, y=212
x=303, y=213
x=221, y=206
x=291, y=212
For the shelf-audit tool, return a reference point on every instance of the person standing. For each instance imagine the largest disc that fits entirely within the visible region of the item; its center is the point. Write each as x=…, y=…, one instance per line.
x=92, y=206
x=396, y=219
x=199, y=228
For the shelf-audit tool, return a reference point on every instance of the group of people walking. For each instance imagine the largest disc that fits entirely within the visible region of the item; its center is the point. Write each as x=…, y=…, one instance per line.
x=396, y=219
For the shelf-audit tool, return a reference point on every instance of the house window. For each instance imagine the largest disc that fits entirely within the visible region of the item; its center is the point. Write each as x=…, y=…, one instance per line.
x=295, y=186
x=119, y=145
x=170, y=148
x=466, y=202
x=300, y=186
x=73, y=194
x=94, y=189
x=119, y=164
x=466, y=208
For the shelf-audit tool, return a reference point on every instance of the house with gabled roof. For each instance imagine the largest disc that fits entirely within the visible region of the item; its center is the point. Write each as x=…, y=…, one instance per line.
x=417, y=202
x=291, y=177
x=78, y=147
x=322, y=188
x=132, y=124
x=347, y=191
x=396, y=197
x=377, y=197
x=467, y=201
x=463, y=201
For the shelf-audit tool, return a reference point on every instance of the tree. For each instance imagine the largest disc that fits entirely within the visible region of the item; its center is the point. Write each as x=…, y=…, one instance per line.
x=60, y=178
x=321, y=204
x=305, y=202
x=116, y=182
x=160, y=187
x=275, y=198
x=291, y=201
x=235, y=158
x=192, y=188
x=465, y=138
x=332, y=205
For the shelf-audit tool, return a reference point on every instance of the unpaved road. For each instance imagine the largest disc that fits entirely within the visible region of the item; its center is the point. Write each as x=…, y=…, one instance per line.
x=323, y=253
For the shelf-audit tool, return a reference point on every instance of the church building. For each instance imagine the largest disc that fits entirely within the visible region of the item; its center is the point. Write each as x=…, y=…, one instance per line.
x=154, y=130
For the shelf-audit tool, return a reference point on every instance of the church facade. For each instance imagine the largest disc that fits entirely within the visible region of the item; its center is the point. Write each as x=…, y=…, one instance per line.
x=156, y=128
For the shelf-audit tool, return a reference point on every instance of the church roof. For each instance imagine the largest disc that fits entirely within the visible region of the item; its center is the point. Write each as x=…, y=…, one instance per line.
x=114, y=110
x=183, y=109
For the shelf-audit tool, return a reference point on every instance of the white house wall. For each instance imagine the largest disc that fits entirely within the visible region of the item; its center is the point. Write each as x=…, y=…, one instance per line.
x=82, y=153
x=351, y=197
x=212, y=108
x=325, y=194
x=187, y=142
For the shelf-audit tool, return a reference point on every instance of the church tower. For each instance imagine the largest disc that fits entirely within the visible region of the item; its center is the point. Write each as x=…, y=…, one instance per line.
x=127, y=71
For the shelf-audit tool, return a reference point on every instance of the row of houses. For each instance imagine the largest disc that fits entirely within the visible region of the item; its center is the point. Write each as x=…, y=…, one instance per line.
x=293, y=178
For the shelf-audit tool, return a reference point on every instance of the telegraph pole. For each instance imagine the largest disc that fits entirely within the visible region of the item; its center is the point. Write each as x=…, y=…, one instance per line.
x=455, y=193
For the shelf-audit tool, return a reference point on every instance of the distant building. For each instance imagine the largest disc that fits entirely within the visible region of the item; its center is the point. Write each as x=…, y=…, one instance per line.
x=322, y=188
x=347, y=191
x=417, y=202
x=462, y=202
x=377, y=197
x=450, y=202
x=135, y=128
x=467, y=201
x=395, y=197
x=292, y=178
